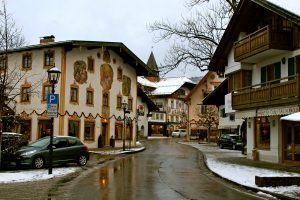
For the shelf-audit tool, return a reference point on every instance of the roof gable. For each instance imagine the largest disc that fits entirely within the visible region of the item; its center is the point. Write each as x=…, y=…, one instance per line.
x=249, y=9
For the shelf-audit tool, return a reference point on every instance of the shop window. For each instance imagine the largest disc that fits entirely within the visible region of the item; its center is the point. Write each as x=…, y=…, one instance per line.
x=89, y=131
x=118, y=131
x=73, y=128
x=25, y=128
x=262, y=133
x=44, y=127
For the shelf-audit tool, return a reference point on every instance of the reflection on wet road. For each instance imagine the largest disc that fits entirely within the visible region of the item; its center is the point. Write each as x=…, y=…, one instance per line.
x=165, y=170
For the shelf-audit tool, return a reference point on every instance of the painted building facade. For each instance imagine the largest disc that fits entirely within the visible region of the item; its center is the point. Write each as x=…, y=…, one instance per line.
x=202, y=117
x=96, y=78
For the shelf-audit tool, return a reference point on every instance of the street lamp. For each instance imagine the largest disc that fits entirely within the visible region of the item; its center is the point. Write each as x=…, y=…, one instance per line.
x=124, y=107
x=53, y=77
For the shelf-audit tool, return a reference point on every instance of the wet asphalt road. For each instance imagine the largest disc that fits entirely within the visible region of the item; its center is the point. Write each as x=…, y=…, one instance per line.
x=165, y=170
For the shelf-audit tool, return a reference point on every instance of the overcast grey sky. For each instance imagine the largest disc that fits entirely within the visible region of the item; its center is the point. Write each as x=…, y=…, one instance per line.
x=100, y=20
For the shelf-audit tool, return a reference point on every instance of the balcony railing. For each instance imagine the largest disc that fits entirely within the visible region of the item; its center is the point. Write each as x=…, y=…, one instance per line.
x=278, y=92
x=261, y=40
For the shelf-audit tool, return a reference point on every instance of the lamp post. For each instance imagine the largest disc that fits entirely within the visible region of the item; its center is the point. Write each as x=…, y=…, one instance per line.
x=124, y=107
x=53, y=77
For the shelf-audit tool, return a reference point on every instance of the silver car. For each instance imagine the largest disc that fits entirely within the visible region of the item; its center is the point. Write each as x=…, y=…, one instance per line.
x=179, y=133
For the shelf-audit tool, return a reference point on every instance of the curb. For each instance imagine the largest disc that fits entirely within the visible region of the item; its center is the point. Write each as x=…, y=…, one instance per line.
x=280, y=196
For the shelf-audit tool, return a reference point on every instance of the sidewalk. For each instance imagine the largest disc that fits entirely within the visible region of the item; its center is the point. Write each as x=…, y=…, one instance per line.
x=235, y=167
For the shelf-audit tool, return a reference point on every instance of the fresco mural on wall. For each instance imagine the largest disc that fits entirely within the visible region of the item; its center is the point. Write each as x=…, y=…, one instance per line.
x=106, y=72
x=80, y=72
x=106, y=76
x=126, y=85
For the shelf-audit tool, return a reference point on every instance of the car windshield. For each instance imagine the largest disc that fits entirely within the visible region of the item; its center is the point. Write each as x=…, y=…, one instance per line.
x=40, y=143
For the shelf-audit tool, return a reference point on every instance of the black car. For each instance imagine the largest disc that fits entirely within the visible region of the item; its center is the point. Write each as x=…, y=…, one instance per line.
x=66, y=149
x=230, y=140
x=10, y=143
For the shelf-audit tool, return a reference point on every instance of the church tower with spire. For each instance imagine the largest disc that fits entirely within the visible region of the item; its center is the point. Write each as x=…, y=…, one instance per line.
x=152, y=65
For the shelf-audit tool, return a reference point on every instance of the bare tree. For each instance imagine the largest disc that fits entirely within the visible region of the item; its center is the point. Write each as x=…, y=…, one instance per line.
x=195, y=38
x=10, y=76
x=208, y=118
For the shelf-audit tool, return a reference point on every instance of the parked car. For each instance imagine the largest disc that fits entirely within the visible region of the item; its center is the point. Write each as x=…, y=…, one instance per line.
x=10, y=143
x=230, y=140
x=66, y=149
x=179, y=133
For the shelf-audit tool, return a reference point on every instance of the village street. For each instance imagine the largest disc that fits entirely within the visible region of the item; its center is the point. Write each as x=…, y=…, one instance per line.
x=165, y=170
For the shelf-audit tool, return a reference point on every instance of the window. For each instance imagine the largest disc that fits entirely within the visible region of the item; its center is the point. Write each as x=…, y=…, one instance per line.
x=119, y=101
x=118, y=131
x=60, y=142
x=25, y=128
x=74, y=94
x=25, y=93
x=49, y=58
x=262, y=132
x=91, y=63
x=73, y=128
x=26, y=61
x=90, y=97
x=105, y=100
x=47, y=89
x=130, y=103
x=89, y=130
x=270, y=73
x=239, y=80
x=172, y=104
x=2, y=63
x=203, y=109
x=120, y=74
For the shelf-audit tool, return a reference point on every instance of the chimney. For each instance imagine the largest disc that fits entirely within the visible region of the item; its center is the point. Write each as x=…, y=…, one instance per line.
x=47, y=39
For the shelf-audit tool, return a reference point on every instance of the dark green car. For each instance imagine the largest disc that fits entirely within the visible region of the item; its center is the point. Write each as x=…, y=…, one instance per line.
x=66, y=149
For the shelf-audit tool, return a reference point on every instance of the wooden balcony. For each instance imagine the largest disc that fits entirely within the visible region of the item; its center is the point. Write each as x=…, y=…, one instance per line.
x=263, y=40
x=279, y=92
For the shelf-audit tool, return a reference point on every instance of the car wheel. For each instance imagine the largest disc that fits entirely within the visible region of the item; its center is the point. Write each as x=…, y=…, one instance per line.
x=221, y=146
x=82, y=160
x=233, y=147
x=38, y=163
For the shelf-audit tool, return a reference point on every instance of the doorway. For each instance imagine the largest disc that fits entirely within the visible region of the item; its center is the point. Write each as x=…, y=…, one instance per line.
x=291, y=142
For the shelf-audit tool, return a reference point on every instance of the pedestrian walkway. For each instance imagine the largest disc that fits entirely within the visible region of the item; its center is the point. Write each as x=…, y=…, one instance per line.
x=235, y=167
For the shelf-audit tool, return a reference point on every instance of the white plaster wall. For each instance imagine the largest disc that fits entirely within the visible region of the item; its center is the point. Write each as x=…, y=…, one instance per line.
x=143, y=120
x=36, y=76
x=39, y=74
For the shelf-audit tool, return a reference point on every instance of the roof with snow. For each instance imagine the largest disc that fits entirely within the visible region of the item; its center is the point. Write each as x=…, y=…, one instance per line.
x=167, y=86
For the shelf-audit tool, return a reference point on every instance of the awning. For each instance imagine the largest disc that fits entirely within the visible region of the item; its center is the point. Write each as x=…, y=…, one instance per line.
x=295, y=117
x=245, y=114
x=286, y=110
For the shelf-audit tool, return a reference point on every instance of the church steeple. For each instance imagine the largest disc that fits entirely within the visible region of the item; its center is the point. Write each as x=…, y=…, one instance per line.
x=152, y=64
